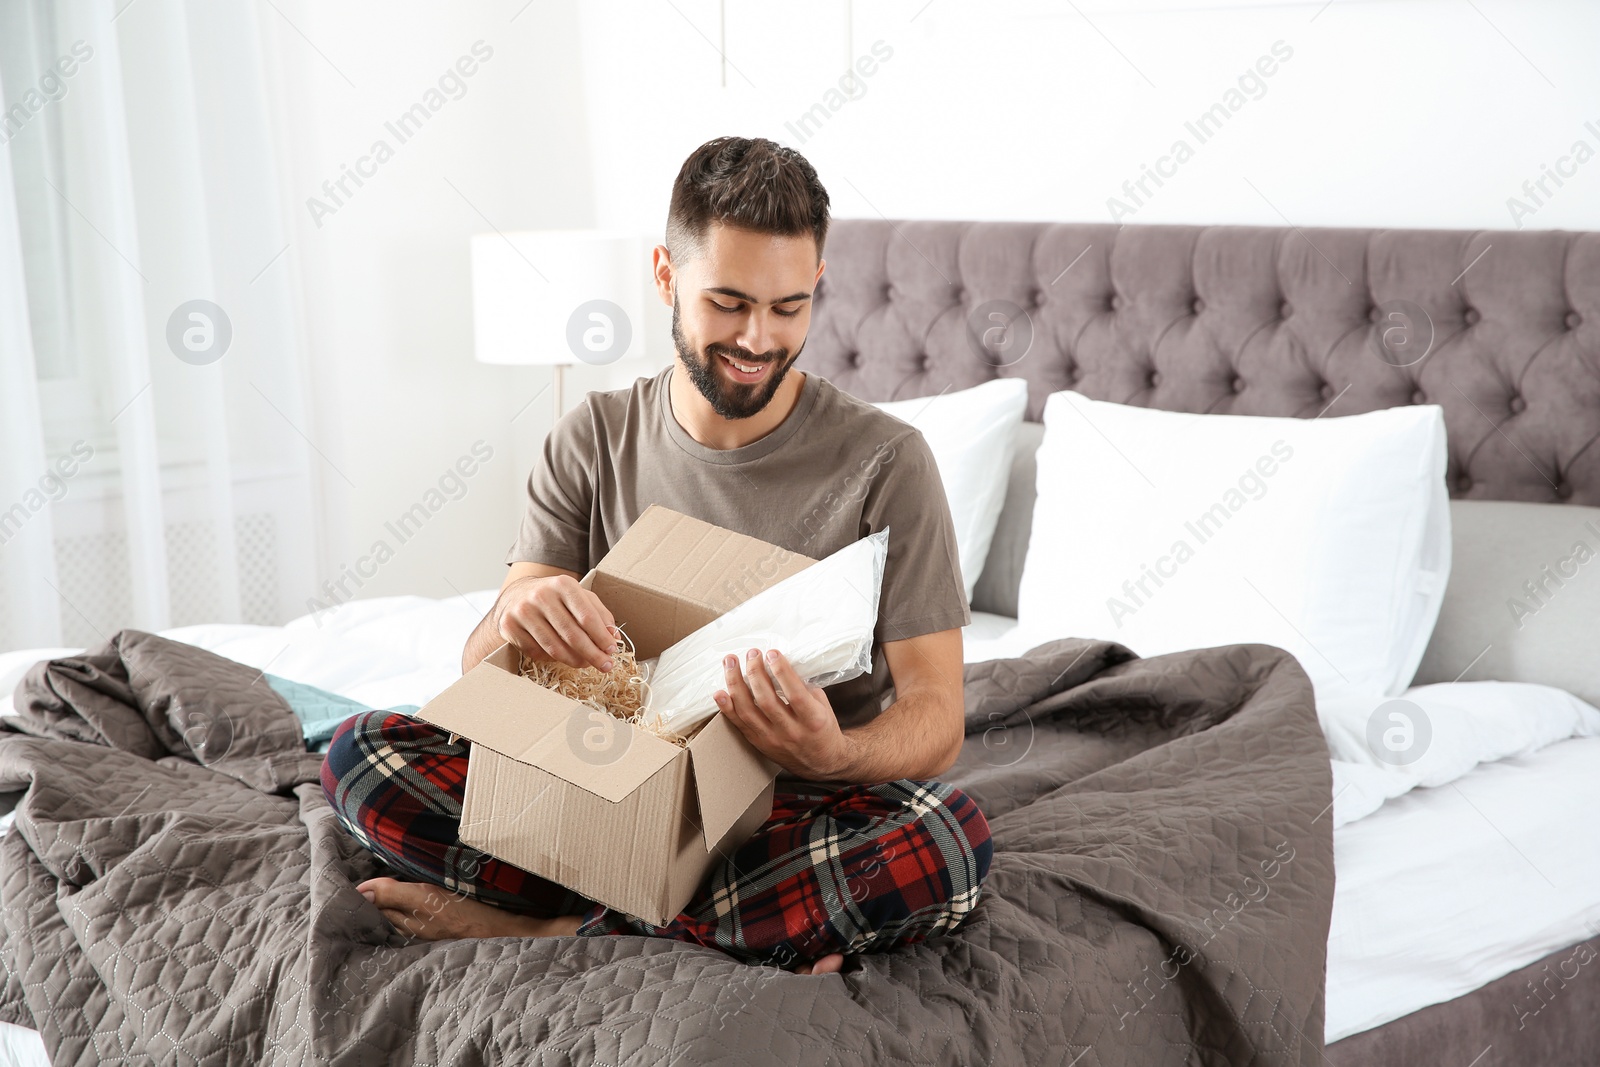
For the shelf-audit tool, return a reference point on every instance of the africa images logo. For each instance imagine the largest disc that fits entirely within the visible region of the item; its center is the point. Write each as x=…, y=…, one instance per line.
x=1398, y=732
x=199, y=332
x=599, y=332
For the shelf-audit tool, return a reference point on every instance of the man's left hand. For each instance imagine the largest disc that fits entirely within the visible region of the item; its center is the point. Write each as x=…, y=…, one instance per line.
x=788, y=721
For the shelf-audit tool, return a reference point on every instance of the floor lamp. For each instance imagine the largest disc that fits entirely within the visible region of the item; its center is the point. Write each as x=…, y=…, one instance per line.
x=554, y=298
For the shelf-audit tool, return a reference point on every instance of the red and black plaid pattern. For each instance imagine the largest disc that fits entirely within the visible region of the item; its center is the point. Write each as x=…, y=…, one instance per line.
x=397, y=784
x=860, y=869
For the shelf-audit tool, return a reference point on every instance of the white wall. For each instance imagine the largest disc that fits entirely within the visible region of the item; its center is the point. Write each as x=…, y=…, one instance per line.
x=1405, y=113
x=397, y=395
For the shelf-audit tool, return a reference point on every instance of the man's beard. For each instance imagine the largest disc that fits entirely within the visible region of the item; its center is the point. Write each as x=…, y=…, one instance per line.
x=731, y=400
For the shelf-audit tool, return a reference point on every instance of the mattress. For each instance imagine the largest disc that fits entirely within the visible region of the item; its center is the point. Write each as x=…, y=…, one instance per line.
x=1420, y=911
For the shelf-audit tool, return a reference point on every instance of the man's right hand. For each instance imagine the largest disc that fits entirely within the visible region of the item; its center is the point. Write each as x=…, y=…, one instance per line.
x=543, y=612
x=555, y=618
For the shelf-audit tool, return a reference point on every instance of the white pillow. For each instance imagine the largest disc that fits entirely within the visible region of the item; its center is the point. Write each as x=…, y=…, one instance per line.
x=971, y=434
x=1434, y=734
x=1328, y=537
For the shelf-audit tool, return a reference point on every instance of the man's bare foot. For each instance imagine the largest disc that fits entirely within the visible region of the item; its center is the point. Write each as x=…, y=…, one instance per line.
x=832, y=963
x=433, y=914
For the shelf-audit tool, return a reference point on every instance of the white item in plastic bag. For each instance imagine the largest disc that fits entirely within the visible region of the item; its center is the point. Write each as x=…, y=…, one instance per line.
x=821, y=619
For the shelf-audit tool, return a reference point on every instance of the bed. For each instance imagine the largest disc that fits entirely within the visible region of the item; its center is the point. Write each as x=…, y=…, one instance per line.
x=1425, y=962
x=1275, y=322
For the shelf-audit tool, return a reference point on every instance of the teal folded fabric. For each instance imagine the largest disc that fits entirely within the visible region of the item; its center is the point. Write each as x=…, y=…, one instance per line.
x=319, y=711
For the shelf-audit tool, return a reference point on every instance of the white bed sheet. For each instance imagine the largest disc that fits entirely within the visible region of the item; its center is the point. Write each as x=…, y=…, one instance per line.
x=21, y=1047
x=989, y=637
x=1420, y=909
x=1443, y=890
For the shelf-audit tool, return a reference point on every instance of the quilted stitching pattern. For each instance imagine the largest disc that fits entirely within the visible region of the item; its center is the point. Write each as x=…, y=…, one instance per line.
x=161, y=911
x=1243, y=321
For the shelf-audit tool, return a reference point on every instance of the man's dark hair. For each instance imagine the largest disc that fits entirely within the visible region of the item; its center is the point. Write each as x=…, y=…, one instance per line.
x=748, y=182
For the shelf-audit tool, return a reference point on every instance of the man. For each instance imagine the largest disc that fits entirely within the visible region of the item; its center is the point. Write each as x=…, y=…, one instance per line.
x=862, y=852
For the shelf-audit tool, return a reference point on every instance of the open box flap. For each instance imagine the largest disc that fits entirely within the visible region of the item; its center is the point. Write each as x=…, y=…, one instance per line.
x=670, y=574
x=494, y=706
x=729, y=773
x=652, y=619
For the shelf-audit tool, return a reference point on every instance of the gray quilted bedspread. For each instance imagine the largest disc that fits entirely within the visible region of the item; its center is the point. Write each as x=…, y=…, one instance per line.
x=176, y=890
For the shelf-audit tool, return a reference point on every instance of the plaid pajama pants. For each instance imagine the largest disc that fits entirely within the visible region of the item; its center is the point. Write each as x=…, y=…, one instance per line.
x=860, y=869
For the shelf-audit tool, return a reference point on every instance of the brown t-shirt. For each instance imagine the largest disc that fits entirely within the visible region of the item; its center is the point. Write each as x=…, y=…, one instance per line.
x=834, y=471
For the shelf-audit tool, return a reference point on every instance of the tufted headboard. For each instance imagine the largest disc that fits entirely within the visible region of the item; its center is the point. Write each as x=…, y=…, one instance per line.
x=1501, y=328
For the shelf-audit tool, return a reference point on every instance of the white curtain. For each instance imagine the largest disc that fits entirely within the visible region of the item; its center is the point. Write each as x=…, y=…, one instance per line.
x=149, y=476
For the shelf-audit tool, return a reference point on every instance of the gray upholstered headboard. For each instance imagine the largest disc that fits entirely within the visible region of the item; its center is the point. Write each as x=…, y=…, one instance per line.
x=1246, y=321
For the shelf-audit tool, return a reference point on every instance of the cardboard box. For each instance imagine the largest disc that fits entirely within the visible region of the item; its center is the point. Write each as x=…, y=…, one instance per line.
x=593, y=803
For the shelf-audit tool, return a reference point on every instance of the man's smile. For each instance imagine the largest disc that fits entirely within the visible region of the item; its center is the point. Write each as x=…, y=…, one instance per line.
x=744, y=373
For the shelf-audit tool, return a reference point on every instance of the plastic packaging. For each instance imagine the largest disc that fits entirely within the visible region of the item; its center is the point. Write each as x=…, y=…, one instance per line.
x=821, y=619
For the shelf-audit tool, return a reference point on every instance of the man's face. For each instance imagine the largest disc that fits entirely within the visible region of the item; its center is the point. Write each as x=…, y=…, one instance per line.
x=740, y=312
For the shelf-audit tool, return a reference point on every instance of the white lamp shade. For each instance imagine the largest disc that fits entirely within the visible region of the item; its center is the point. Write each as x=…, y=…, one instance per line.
x=549, y=297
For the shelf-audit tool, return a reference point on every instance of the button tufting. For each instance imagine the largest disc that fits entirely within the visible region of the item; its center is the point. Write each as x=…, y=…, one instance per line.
x=1237, y=385
x=888, y=292
x=853, y=359
x=1518, y=405
x=1419, y=397
x=924, y=361
x=1116, y=302
x=1199, y=305
x=1038, y=298
x=1564, y=490
x=1374, y=314
x=1471, y=316
x=1285, y=310
x=1327, y=391
x=1154, y=378
x=1463, y=483
x=1574, y=320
